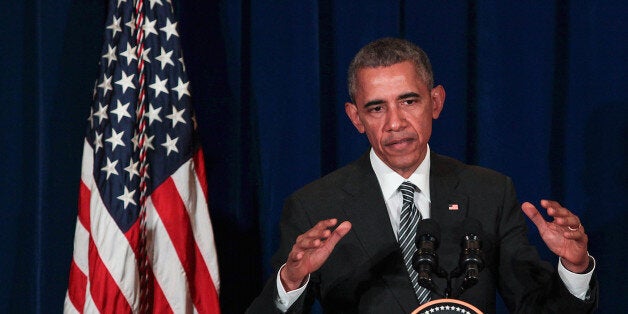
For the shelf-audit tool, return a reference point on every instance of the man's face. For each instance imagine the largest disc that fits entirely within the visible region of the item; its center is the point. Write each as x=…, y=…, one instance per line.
x=395, y=108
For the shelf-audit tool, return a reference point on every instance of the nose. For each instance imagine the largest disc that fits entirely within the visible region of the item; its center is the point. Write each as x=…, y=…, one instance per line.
x=395, y=119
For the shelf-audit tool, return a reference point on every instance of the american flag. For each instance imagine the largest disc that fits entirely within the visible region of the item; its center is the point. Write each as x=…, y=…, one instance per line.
x=143, y=239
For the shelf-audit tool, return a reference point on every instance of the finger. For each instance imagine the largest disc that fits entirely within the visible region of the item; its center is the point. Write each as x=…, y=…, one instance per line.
x=554, y=209
x=314, y=236
x=321, y=229
x=575, y=231
x=562, y=216
x=308, y=241
x=340, y=231
x=550, y=203
x=325, y=224
x=571, y=222
x=534, y=215
x=577, y=235
x=295, y=256
x=305, y=242
x=336, y=235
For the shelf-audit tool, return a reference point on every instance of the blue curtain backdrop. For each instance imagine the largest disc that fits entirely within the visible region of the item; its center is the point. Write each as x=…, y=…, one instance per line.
x=535, y=89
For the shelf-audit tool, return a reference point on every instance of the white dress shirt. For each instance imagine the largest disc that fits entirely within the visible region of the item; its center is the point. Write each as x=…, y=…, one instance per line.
x=389, y=182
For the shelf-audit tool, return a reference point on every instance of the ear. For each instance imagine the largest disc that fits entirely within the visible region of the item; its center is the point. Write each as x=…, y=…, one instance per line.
x=352, y=112
x=438, y=100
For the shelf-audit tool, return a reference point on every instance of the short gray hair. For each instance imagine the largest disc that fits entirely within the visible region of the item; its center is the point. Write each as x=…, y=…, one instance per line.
x=386, y=52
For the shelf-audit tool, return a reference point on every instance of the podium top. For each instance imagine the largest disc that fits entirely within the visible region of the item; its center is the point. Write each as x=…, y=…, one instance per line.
x=446, y=306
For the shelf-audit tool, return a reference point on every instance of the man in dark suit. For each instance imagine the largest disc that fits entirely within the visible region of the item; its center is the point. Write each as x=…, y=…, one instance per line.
x=361, y=265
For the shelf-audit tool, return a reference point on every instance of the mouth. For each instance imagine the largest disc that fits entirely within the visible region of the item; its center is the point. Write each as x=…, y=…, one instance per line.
x=399, y=144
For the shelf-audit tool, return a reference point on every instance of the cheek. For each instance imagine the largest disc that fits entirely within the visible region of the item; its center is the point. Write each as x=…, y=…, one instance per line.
x=373, y=136
x=423, y=127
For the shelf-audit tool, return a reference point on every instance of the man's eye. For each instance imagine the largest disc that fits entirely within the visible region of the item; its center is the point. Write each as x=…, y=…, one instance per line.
x=376, y=109
x=409, y=101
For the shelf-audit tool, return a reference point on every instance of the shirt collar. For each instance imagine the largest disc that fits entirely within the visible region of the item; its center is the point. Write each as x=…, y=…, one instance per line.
x=389, y=180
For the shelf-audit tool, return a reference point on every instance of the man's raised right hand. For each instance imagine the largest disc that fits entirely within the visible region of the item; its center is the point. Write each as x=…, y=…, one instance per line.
x=310, y=251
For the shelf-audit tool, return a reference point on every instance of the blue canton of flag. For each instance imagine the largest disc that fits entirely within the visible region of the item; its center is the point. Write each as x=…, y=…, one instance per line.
x=170, y=126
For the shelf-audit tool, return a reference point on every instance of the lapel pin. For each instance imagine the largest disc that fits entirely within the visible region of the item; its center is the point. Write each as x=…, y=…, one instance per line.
x=453, y=207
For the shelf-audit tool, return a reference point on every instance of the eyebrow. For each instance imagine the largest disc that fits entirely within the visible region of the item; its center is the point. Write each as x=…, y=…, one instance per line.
x=376, y=102
x=408, y=95
x=373, y=103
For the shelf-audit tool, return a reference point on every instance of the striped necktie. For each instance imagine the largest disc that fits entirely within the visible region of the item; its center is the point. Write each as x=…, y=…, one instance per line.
x=410, y=217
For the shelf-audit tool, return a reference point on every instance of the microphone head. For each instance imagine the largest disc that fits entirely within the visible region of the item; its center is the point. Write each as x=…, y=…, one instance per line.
x=427, y=228
x=471, y=225
x=425, y=259
x=470, y=233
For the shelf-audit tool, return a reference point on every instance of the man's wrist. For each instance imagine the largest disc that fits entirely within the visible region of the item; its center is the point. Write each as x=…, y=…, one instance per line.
x=290, y=285
x=285, y=299
x=576, y=283
x=579, y=269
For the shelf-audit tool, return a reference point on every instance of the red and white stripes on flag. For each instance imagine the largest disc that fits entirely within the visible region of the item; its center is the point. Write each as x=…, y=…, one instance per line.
x=103, y=274
x=143, y=185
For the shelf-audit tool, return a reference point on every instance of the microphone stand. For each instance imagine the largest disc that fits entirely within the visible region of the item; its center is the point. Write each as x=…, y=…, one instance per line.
x=426, y=281
x=425, y=262
x=447, y=291
x=425, y=259
x=448, y=303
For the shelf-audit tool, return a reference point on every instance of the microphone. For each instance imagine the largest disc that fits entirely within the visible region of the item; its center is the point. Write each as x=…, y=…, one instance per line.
x=471, y=257
x=425, y=259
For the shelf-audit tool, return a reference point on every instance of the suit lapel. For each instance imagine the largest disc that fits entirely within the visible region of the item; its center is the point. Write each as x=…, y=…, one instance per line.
x=367, y=210
x=372, y=227
x=449, y=207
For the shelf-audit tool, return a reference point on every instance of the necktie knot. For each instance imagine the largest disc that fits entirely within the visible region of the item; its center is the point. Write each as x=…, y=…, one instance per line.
x=407, y=189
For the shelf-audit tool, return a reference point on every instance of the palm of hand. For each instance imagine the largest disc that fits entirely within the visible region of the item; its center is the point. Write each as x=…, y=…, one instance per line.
x=311, y=260
x=554, y=237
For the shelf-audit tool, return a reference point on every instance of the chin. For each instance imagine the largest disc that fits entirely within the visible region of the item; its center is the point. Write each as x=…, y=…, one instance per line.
x=404, y=165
